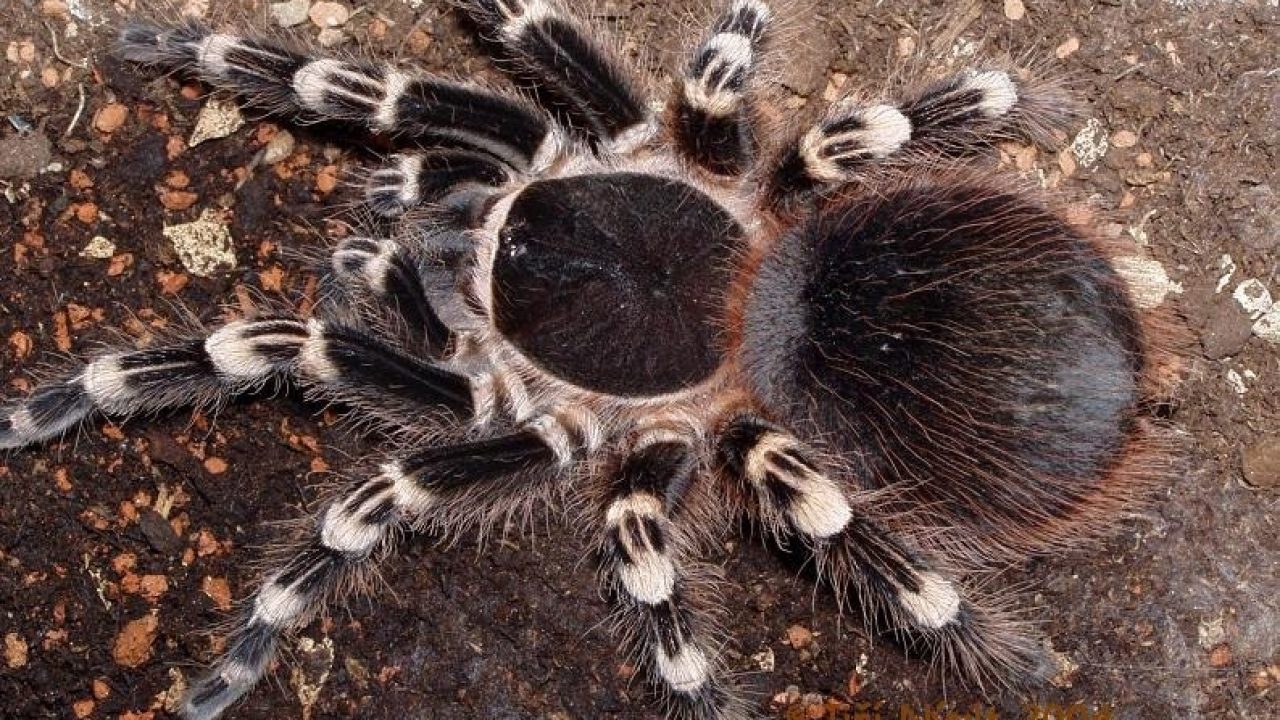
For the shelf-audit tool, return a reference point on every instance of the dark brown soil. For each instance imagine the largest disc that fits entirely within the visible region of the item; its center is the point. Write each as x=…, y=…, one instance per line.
x=119, y=545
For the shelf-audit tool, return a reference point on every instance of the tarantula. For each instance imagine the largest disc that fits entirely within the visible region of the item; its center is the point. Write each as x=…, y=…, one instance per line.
x=673, y=316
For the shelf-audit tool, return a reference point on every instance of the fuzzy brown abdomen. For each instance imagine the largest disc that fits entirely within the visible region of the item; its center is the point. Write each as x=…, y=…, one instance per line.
x=615, y=282
x=958, y=340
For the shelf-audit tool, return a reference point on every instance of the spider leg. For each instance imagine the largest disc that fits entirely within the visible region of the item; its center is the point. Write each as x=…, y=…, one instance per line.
x=414, y=178
x=449, y=487
x=900, y=589
x=415, y=108
x=386, y=277
x=959, y=115
x=236, y=358
x=651, y=591
x=341, y=362
x=710, y=119
x=576, y=77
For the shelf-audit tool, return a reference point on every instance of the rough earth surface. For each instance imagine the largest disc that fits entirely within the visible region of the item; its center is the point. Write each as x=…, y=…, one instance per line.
x=122, y=546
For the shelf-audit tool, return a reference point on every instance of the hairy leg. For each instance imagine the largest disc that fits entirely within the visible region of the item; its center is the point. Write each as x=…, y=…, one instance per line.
x=453, y=487
x=711, y=116
x=417, y=109
x=575, y=75
x=898, y=588
x=959, y=115
x=655, y=603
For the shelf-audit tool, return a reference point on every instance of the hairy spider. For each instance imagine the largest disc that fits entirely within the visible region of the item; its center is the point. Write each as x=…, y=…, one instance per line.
x=673, y=317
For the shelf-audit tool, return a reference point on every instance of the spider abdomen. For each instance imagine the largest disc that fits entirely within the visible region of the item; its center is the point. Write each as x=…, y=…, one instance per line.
x=957, y=339
x=615, y=282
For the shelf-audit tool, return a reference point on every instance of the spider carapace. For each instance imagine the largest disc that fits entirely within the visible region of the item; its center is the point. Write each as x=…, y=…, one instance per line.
x=667, y=316
x=633, y=267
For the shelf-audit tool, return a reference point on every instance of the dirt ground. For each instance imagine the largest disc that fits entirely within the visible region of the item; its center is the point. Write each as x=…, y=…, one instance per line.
x=122, y=547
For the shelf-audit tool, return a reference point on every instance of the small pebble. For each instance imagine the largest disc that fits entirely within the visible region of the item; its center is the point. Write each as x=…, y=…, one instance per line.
x=1261, y=463
x=1253, y=297
x=331, y=37
x=178, y=199
x=99, y=248
x=24, y=156
x=1014, y=9
x=327, y=179
x=218, y=591
x=133, y=644
x=1067, y=48
x=1267, y=326
x=1067, y=669
x=279, y=147
x=1124, y=139
x=56, y=9
x=21, y=51
x=288, y=14
x=110, y=118
x=21, y=343
x=1148, y=281
x=1091, y=143
x=329, y=15
x=15, y=651
x=219, y=117
x=765, y=660
x=1220, y=656
x=1226, y=331
x=203, y=246
x=799, y=637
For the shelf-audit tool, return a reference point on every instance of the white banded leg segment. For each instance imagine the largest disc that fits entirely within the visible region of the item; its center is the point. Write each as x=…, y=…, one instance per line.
x=965, y=103
x=970, y=111
x=709, y=118
x=644, y=579
x=413, y=179
x=249, y=352
x=789, y=482
x=492, y=476
x=851, y=135
x=637, y=527
x=850, y=139
x=236, y=358
x=579, y=79
x=394, y=189
x=388, y=275
x=798, y=500
x=717, y=76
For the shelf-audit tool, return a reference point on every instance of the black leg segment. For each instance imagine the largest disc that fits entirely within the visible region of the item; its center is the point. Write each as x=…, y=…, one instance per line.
x=572, y=73
x=711, y=117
